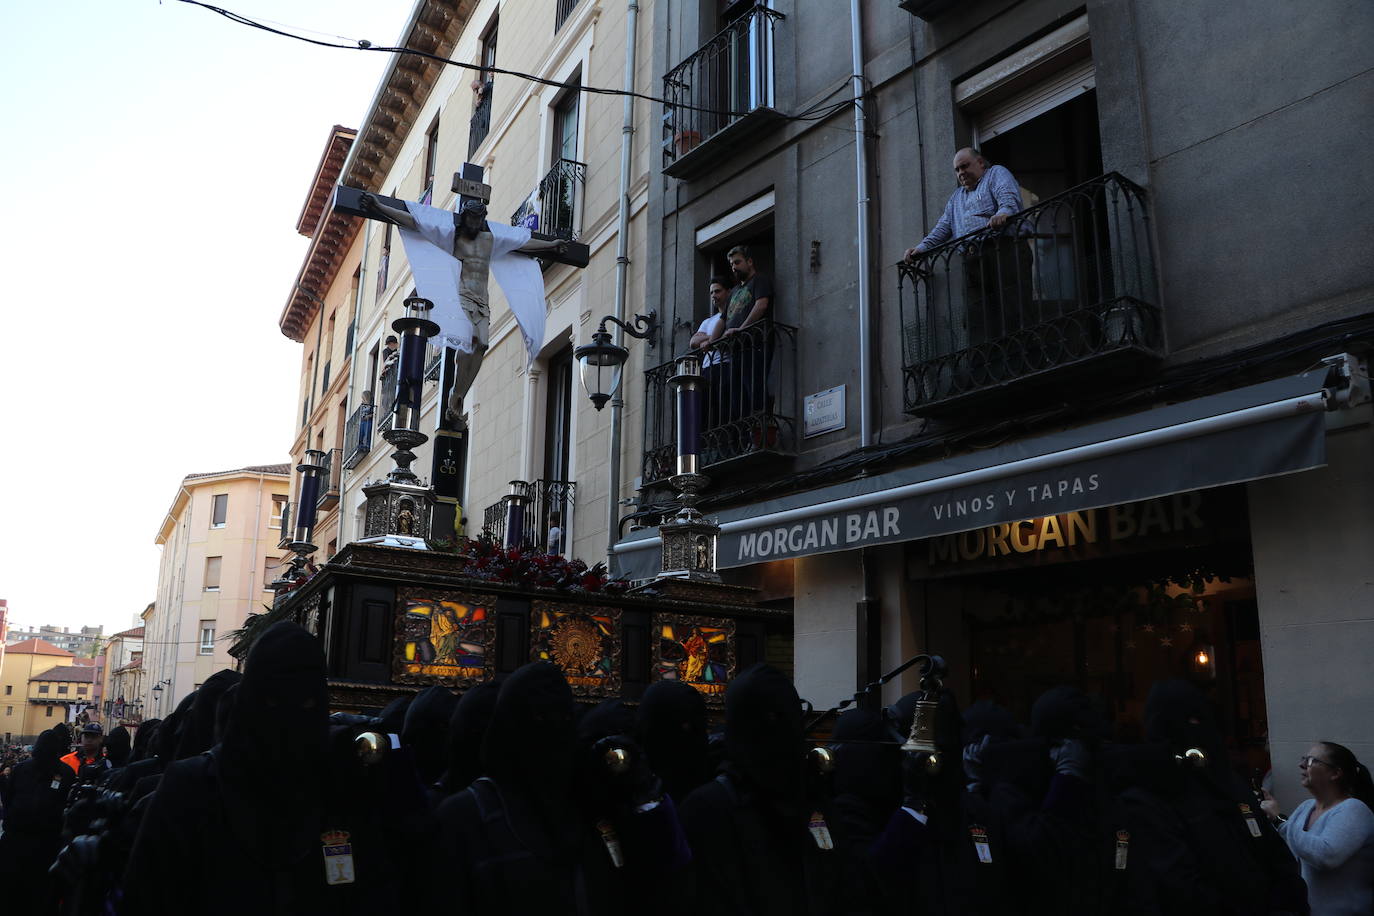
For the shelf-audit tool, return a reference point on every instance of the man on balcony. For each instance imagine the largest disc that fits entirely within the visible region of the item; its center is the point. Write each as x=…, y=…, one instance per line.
x=997, y=266
x=751, y=304
x=710, y=331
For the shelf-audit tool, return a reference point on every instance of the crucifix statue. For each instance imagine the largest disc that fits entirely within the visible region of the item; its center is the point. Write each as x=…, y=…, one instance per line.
x=452, y=257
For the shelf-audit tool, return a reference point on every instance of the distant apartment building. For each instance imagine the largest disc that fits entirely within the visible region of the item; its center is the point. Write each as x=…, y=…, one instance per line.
x=84, y=641
x=122, y=677
x=218, y=543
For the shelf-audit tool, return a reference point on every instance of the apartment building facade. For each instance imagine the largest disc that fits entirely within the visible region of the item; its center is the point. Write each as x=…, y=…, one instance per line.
x=1104, y=446
x=219, y=555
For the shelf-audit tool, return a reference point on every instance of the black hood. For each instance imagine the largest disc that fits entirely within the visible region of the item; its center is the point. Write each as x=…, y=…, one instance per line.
x=224, y=710
x=868, y=763
x=280, y=720
x=764, y=735
x=466, y=729
x=197, y=733
x=1179, y=716
x=169, y=732
x=530, y=743
x=273, y=765
x=425, y=730
x=986, y=718
x=118, y=746
x=51, y=745
x=143, y=738
x=1065, y=712
x=672, y=730
x=392, y=718
x=608, y=719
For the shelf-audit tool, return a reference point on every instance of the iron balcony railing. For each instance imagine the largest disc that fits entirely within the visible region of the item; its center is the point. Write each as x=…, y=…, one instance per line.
x=1067, y=282
x=749, y=401
x=547, y=516
x=551, y=209
x=386, y=386
x=480, y=124
x=331, y=478
x=562, y=12
x=358, y=435
x=724, y=83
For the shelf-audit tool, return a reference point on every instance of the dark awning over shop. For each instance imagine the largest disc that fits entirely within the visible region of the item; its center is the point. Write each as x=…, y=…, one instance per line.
x=1277, y=427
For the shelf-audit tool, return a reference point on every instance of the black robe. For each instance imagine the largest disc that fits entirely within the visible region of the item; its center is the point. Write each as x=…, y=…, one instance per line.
x=33, y=801
x=248, y=827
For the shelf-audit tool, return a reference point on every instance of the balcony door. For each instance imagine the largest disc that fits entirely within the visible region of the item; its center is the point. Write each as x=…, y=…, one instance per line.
x=556, y=508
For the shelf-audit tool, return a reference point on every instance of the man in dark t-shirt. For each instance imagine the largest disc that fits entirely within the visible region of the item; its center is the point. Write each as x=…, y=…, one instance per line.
x=751, y=303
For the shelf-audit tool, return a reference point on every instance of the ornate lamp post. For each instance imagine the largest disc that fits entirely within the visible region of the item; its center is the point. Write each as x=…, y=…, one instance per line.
x=517, y=508
x=310, y=469
x=689, y=539
x=603, y=361
x=399, y=506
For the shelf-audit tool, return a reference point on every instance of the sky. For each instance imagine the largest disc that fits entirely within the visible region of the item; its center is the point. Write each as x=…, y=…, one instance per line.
x=155, y=161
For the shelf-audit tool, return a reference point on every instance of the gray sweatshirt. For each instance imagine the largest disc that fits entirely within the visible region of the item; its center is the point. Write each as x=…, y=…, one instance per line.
x=1337, y=857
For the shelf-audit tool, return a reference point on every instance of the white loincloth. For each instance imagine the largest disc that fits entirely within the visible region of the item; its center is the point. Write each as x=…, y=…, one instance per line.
x=438, y=274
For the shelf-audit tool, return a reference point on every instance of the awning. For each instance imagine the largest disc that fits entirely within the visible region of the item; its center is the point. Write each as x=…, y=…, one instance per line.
x=1277, y=427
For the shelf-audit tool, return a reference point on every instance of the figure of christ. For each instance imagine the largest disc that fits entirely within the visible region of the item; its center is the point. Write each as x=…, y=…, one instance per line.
x=696, y=656
x=472, y=247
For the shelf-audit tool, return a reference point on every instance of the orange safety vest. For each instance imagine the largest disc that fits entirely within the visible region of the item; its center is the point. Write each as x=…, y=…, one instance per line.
x=74, y=761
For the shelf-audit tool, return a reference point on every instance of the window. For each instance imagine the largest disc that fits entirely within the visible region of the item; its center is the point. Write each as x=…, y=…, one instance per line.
x=269, y=571
x=431, y=160
x=49, y=712
x=81, y=690
x=332, y=549
x=9, y=711
x=9, y=689
x=207, y=637
x=565, y=123
x=219, y=510
x=61, y=688
x=212, y=567
x=278, y=510
x=43, y=688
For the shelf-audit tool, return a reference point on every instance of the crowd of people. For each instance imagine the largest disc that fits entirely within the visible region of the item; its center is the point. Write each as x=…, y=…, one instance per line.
x=252, y=798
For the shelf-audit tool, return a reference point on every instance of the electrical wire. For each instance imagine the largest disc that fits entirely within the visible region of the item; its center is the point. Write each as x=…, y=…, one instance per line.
x=816, y=113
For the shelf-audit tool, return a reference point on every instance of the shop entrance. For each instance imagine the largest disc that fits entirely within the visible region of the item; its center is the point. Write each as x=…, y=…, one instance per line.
x=1110, y=600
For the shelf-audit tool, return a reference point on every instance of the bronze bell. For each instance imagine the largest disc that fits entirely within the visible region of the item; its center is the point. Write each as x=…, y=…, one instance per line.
x=1194, y=757
x=822, y=759
x=617, y=760
x=922, y=737
x=371, y=747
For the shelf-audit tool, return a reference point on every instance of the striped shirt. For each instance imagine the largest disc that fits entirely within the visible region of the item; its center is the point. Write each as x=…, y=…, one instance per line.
x=968, y=211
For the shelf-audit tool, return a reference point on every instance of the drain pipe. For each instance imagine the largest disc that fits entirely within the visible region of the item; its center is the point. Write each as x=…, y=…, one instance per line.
x=861, y=174
x=622, y=271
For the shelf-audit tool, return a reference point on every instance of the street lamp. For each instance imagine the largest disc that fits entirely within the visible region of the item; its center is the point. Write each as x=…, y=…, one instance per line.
x=603, y=361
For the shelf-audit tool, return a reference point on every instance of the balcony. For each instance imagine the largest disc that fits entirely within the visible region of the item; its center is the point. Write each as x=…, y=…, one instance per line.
x=1066, y=290
x=330, y=479
x=750, y=403
x=928, y=10
x=545, y=497
x=551, y=209
x=358, y=435
x=288, y=525
x=724, y=90
x=480, y=125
